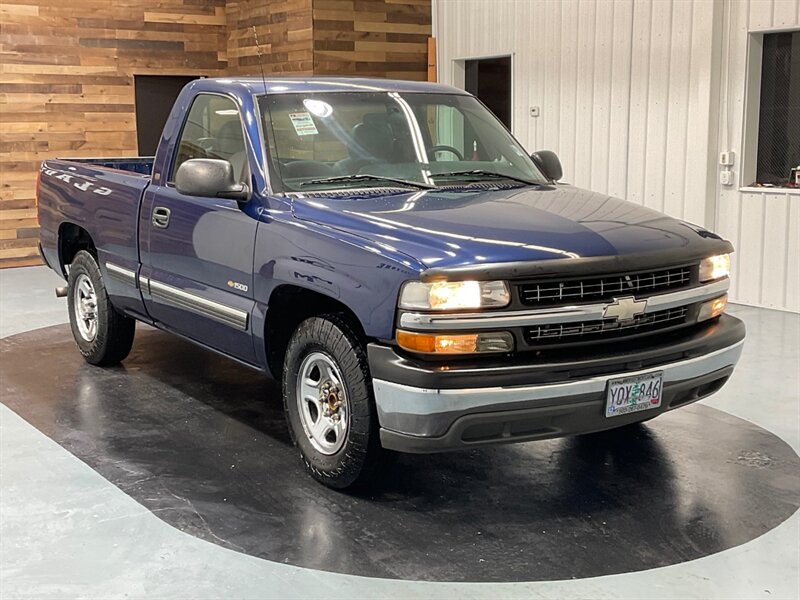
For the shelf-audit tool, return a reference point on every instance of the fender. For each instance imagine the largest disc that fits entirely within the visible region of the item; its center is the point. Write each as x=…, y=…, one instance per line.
x=336, y=264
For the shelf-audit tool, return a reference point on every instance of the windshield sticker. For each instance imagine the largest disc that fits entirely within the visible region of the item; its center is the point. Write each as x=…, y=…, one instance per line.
x=303, y=123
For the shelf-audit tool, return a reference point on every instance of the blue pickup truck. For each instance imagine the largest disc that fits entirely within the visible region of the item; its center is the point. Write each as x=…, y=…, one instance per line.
x=387, y=249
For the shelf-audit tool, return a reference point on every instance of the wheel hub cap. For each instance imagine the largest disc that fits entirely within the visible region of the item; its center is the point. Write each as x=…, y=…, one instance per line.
x=85, y=307
x=322, y=403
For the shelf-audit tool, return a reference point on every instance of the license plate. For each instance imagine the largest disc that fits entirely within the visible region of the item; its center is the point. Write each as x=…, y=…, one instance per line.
x=633, y=394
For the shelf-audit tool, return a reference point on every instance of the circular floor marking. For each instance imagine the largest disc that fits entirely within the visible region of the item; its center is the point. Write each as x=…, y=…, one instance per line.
x=201, y=441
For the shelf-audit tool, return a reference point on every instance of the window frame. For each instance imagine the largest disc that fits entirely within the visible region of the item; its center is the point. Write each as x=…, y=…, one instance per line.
x=176, y=145
x=748, y=169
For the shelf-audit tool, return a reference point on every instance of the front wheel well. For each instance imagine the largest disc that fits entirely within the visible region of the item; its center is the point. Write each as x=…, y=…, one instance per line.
x=290, y=305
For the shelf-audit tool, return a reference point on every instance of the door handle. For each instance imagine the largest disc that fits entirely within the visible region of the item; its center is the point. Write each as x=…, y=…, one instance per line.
x=161, y=217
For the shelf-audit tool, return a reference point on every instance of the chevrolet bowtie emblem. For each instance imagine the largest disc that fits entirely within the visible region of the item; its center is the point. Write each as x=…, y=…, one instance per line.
x=624, y=309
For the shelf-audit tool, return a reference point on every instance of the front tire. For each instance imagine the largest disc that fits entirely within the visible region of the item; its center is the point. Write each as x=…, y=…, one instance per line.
x=103, y=335
x=327, y=398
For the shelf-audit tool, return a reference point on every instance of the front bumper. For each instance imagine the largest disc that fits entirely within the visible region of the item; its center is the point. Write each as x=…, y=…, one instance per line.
x=434, y=408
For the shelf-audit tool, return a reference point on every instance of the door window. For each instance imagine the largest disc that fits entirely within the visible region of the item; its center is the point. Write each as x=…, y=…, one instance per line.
x=213, y=129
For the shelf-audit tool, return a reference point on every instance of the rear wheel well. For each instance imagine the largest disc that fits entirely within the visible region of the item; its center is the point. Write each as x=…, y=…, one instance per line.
x=289, y=306
x=71, y=240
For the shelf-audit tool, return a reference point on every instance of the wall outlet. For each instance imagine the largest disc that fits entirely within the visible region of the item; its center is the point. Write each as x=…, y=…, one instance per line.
x=726, y=177
x=726, y=159
x=534, y=111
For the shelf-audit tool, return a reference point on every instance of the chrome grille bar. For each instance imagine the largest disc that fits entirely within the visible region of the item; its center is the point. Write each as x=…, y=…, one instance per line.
x=606, y=329
x=603, y=288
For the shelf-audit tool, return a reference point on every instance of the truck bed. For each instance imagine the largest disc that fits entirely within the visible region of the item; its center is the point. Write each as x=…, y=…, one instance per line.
x=133, y=164
x=99, y=195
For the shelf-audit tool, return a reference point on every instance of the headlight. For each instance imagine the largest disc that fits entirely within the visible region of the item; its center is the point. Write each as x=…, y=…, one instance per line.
x=715, y=267
x=453, y=295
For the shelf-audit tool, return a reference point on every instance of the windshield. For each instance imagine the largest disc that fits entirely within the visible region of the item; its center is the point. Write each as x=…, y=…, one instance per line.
x=362, y=139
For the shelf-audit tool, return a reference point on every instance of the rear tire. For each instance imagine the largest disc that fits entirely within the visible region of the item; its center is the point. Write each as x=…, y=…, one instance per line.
x=328, y=401
x=103, y=335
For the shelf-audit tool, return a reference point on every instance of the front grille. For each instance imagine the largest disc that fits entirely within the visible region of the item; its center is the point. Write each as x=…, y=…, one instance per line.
x=606, y=328
x=603, y=288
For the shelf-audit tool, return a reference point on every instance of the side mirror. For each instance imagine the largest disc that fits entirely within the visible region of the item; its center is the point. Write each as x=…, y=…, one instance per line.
x=548, y=164
x=209, y=178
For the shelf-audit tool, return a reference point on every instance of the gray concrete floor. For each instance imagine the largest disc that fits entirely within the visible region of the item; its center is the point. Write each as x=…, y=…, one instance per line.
x=67, y=532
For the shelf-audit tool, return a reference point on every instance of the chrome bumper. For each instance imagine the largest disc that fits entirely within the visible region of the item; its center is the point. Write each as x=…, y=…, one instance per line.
x=418, y=419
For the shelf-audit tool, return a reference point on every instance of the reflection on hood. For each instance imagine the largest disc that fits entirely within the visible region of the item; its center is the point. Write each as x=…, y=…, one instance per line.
x=445, y=228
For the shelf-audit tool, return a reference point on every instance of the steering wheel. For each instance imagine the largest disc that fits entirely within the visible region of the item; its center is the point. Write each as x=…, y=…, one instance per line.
x=443, y=148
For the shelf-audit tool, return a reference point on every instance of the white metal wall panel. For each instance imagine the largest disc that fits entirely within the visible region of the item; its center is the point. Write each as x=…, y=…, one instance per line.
x=638, y=101
x=635, y=101
x=614, y=80
x=765, y=225
x=620, y=109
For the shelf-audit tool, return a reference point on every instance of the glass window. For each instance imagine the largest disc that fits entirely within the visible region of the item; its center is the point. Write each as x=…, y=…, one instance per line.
x=430, y=139
x=213, y=129
x=779, y=112
x=446, y=128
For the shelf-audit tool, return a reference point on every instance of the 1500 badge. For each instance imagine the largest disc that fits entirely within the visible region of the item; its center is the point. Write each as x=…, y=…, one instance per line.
x=237, y=286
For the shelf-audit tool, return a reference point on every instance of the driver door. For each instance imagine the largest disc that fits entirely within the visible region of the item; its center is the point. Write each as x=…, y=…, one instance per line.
x=197, y=252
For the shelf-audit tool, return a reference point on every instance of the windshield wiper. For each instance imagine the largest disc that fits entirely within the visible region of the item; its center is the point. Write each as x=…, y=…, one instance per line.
x=479, y=173
x=367, y=177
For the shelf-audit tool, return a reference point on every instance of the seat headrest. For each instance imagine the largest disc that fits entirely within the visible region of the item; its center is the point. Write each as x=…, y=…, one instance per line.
x=372, y=140
x=375, y=118
x=230, y=139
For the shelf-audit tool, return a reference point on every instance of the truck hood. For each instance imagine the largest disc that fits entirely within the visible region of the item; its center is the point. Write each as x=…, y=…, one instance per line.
x=446, y=229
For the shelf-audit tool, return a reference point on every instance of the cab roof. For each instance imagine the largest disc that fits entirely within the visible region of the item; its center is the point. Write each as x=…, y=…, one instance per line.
x=289, y=85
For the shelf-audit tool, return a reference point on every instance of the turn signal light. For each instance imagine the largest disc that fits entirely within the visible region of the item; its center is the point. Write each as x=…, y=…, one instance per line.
x=446, y=343
x=712, y=308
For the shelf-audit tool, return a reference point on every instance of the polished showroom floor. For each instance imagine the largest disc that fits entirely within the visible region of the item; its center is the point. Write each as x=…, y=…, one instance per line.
x=172, y=476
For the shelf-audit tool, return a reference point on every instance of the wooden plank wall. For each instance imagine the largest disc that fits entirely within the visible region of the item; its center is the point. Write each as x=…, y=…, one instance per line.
x=66, y=86
x=285, y=33
x=66, y=70
x=372, y=38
